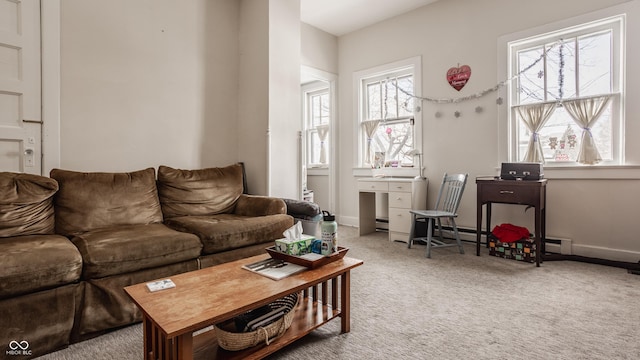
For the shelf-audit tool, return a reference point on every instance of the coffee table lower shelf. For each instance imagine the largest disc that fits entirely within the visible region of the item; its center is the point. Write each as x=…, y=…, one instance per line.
x=309, y=315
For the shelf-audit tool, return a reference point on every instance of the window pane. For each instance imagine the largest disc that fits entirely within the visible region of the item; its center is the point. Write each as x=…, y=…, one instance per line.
x=531, y=81
x=394, y=140
x=561, y=71
x=595, y=64
x=315, y=110
x=374, y=108
x=405, y=101
x=390, y=100
x=324, y=108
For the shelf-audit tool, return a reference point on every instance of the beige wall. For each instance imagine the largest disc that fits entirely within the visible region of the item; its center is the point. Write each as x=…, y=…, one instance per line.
x=284, y=98
x=253, y=107
x=148, y=82
x=595, y=214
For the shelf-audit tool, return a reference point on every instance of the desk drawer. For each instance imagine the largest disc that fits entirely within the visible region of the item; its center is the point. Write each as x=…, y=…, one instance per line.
x=400, y=186
x=373, y=186
x=399, y=220
x=510, y=194
x=400, y=200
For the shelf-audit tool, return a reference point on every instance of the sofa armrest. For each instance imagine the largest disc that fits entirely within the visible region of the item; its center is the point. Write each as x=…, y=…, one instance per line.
x=257, y=205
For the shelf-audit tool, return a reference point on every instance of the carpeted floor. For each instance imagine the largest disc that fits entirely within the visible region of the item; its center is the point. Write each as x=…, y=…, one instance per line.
x=453, y=306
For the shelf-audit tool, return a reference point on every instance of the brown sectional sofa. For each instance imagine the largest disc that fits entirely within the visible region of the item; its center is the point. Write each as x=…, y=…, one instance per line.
x=113, y=230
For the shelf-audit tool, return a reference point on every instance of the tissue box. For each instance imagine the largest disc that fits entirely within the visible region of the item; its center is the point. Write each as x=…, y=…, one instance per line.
x=295, y=247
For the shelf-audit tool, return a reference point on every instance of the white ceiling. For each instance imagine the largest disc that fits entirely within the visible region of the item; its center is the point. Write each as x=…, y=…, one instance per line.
x=339, y=17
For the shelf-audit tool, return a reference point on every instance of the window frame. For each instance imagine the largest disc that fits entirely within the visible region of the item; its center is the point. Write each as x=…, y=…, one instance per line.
x=616, y=24
x=411, y=66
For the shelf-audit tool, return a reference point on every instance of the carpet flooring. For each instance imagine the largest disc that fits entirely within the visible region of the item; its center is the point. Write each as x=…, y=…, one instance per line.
x=453, y=306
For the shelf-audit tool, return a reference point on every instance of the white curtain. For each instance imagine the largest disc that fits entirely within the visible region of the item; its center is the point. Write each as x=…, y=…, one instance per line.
x=586, y=112
x=370, y=127
x=534, y=117
x=323, y=130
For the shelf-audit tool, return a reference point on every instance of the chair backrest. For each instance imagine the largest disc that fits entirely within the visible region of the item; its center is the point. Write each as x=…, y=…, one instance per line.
x=450, y=192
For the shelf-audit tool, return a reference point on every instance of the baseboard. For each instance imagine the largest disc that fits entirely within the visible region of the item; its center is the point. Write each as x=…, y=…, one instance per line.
x=349, y=221
x=562, y=249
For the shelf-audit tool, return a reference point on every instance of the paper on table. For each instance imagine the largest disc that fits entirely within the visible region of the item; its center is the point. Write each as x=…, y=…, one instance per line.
x=274, y=268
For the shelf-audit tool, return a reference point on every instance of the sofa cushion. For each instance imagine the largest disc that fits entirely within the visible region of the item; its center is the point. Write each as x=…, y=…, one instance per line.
x=26, y=204
x=199, y=192
x=90, y=201
x=133, y=247
x=35, y=262
x=229, y=231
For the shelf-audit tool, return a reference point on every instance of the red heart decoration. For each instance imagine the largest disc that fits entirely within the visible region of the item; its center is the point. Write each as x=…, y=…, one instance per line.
x=458, y=76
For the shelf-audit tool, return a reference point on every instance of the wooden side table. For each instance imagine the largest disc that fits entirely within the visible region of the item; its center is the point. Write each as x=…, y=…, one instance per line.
x=519, y=192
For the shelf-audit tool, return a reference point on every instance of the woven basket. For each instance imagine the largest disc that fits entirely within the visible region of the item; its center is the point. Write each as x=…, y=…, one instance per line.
x=234, y=341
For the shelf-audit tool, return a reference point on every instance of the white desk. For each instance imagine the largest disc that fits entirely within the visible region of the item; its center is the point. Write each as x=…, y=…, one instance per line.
x=404, y=194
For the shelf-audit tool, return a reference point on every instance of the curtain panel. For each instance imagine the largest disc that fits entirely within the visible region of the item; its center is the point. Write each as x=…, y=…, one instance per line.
x=323, y=131
x=586, y=112
x=534, y=116
x=370, y=127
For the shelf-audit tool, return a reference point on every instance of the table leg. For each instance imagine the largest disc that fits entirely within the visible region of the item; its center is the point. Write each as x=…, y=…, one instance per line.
x=185, y=346
x=478, y=227
x=488, y=227
x=345, y=302
x=538, y=233
x=544, y=233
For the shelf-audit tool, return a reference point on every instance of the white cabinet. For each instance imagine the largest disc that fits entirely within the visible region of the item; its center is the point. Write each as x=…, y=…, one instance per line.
x=404, y=194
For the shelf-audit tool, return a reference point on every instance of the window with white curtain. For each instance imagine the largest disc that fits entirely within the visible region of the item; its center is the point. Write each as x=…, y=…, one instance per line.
x=565, y=97
x=386, y=119
x=317, y=120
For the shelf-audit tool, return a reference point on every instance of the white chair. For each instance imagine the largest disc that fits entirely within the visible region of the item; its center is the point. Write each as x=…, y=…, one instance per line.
x=447, y=204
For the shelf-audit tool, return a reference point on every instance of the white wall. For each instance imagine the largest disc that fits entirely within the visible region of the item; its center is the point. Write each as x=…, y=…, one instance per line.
x=597, y=215
x=318, y=49
x=148, y=82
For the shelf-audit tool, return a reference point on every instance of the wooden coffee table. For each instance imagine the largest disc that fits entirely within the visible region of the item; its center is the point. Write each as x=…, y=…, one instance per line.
x=209, y=296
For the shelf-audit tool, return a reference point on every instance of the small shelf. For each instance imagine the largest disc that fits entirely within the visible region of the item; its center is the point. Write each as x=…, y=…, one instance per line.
x=309, y=316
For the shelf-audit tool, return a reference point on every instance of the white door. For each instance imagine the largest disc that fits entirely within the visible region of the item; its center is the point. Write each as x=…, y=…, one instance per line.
x=20, y=111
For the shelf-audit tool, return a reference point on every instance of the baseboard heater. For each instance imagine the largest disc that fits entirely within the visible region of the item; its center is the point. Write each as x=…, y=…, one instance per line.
x=632, y=268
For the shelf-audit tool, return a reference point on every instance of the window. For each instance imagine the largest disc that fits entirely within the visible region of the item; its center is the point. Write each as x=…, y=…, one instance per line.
x=556, y=76
x=317, y=119
x=386, y=114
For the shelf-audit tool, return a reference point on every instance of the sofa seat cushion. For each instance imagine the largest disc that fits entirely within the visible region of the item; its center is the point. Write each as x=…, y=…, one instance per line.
x=26, y=204
x=224, y=232
x=36, y=262
x=133, y=247
x=92, y=201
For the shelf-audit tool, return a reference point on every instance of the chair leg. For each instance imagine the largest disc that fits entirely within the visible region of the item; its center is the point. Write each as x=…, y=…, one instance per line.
x=429, y=229
x=412, y=232
x=440, y=230
x=455, y=231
